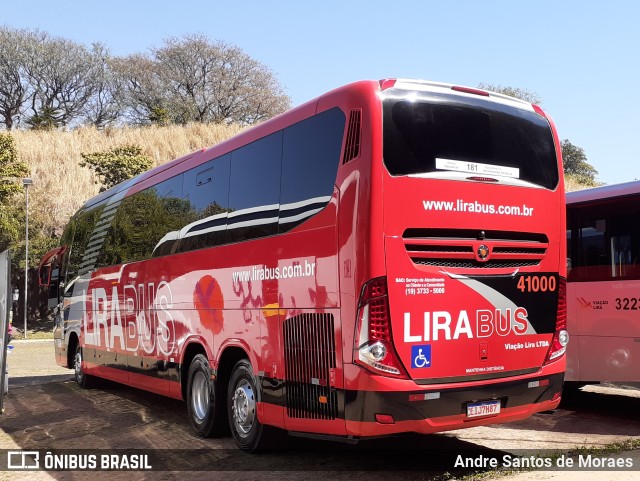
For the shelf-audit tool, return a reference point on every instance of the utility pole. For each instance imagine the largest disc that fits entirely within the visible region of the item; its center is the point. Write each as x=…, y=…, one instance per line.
x=26, y=182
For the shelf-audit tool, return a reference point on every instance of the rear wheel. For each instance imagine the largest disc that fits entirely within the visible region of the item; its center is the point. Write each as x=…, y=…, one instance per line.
x=207, y=418
x=249, y=433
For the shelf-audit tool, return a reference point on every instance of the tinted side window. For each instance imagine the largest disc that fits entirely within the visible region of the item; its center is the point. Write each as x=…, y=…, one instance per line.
x=80, y=229
x=206, y=188
x=310, y=159
x=146, y=221
x=254, y=192
x=603, y=244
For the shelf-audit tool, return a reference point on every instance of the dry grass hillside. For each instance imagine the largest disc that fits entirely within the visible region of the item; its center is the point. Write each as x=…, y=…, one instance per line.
x=60, y=185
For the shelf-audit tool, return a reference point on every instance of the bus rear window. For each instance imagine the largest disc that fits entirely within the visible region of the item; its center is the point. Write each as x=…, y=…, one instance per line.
x=430, y=132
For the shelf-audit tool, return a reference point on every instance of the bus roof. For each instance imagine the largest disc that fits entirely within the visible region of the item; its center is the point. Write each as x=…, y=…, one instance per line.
x=604, y=192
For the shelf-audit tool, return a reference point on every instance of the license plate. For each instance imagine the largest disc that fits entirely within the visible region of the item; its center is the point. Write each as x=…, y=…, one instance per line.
x=484, y=408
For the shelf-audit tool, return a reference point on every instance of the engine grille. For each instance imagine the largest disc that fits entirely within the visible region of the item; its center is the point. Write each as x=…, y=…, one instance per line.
x=310, y=361
x=459, y=248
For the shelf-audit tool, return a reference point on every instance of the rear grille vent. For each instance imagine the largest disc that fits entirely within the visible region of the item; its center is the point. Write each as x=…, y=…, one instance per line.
x=499, y=264
x=310, y=361
x=352, y=145
x=459, y=248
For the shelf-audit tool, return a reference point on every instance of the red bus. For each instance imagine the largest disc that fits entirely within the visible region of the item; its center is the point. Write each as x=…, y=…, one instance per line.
x=603, y=312
x=386, y=258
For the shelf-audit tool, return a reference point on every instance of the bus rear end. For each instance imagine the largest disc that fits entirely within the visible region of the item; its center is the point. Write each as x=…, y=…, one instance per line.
x=464, y=324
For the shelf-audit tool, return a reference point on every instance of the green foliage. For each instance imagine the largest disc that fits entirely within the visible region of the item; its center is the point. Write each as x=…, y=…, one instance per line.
x=8, y=151
x=117, y=165
x=576, y=165
x=159, y=116
x=11, y=171
x=12, y=232
x=46, y=119
x=10, y=227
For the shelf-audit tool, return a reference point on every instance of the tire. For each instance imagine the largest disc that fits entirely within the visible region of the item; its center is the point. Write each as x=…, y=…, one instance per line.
x=247, y=430
x=206, y=416
x=84, y=380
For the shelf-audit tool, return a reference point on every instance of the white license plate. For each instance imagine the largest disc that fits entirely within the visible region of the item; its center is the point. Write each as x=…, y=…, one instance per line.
x=485, y=408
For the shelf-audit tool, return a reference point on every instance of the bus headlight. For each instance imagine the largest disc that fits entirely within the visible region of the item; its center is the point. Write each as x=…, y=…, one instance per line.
x=563, y=338
x=376, y=351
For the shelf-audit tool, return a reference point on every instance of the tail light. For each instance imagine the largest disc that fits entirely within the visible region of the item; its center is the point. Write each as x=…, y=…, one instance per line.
x=561, y=336
x=468, y=90
x=373, y=347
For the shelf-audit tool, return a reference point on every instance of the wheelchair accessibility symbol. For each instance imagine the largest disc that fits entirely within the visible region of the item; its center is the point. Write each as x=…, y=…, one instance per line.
x=421, y=356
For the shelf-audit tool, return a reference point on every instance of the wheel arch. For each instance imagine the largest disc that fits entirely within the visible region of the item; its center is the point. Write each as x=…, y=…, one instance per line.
x=72, y=344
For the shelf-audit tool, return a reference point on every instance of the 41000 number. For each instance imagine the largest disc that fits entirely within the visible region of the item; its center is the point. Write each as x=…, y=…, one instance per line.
x=537, y=284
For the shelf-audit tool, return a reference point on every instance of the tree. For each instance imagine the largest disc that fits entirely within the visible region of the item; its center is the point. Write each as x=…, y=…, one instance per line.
x=192, y=79
x=14, y=88
x=104, y=106
x=117, y=165
x=576, y=165
x=46, y=119
x=522, y=94
x=11, y=171
x=142, y=96
x=60, y=73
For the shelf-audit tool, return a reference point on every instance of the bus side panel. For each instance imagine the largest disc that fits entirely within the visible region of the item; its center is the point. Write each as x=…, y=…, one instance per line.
x=603, y=329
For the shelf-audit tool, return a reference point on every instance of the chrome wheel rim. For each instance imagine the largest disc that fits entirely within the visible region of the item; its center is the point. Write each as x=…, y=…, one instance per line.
x=200, y=396
x=244, y=408
x=77, y=365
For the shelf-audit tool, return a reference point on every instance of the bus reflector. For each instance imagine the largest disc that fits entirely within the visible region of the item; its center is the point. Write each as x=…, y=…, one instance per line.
x=385, y=419
x=373, y=341
x=544, y=382
x=424, y=396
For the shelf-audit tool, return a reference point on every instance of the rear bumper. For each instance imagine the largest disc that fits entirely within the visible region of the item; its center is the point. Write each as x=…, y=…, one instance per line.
x=442, y=409
x=445, y=423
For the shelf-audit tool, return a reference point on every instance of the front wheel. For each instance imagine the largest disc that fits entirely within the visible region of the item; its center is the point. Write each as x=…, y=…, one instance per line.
x=249, y=433
x=84, y=380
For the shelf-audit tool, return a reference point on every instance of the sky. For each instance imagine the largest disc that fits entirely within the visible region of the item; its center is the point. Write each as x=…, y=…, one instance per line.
x=582, y=58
